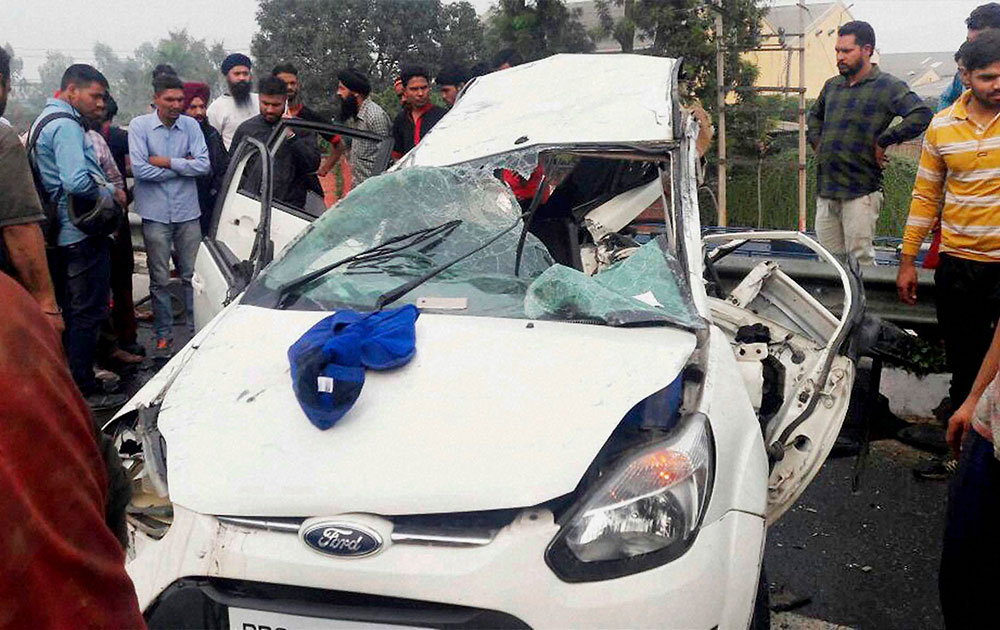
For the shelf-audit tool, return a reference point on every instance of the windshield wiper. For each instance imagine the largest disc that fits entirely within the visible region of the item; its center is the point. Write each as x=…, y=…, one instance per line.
x=391, y=296
x=386, y=249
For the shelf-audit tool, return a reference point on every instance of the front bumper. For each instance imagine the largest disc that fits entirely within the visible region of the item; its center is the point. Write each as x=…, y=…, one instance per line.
x=712, y=585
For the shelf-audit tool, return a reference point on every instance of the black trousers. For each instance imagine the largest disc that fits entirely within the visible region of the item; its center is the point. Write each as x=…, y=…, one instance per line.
x=969, y=581
x=83, y=282
x=968, y=306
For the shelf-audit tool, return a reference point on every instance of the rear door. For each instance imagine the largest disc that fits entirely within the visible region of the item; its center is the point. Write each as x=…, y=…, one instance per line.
x=249, y=226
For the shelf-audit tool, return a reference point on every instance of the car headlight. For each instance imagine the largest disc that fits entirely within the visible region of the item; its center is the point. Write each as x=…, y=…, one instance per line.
x=642, y=513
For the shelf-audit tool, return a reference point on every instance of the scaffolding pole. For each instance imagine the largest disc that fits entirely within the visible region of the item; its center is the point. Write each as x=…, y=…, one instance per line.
x=720, y=62
x=802, y=118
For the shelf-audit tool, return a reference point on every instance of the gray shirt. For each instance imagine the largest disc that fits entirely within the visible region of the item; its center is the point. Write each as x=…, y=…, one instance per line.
x=371, y=117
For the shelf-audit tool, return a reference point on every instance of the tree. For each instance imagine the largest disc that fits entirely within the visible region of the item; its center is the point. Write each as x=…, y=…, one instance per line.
x=461, y=35
x=537, y=29
x=686, y=28
x=24, y=95
x=376, y=36
x=130, y=79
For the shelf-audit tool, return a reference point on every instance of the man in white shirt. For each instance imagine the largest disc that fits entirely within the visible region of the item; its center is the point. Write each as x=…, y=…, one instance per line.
x=238, y=104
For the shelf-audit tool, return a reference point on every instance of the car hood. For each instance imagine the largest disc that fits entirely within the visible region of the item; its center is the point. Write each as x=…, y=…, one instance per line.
x=490, y=413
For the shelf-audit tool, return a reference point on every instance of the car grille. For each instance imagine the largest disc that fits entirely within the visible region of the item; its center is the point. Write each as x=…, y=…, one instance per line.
x=468, y=529
x=202, y=602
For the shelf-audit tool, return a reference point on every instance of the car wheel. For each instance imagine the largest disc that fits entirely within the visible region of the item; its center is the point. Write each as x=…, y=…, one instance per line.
x=762, y=605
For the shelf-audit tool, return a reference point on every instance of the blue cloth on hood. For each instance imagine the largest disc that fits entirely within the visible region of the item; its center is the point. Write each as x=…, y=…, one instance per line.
x=329, y=360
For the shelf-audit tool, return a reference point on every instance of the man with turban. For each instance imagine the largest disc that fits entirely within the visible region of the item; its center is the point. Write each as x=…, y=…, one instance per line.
x=196, y=96
x=360, y=112
x=239, y=104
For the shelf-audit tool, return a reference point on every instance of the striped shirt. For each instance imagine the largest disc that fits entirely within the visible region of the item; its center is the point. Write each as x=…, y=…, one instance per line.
x=959, y=164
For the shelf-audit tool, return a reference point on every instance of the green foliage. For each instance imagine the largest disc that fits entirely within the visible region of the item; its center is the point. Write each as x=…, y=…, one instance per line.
x=536, y=29
x=376, y=36
x=779, y=194
x=927, y=356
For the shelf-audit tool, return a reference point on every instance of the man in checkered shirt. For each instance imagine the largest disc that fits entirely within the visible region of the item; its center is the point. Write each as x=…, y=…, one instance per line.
x=359, y=112
x=849, y=130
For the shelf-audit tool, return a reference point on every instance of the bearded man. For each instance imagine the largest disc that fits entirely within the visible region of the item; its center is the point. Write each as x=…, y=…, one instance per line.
x=359, y=112
x=196, y=96
x=849, y=130
x=238, y=104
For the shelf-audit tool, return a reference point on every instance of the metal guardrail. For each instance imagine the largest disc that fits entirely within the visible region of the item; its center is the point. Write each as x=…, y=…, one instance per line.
x=823, y=283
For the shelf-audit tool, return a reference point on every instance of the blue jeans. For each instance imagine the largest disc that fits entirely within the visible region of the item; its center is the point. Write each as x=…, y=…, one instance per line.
x=969, y=580
x=160, y=238
x=83, y=281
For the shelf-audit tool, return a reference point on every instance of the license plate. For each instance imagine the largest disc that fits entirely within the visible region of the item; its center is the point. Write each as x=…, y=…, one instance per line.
x=245, y=619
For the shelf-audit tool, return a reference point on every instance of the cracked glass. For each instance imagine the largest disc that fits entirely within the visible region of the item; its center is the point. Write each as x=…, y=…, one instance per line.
x=475, y=206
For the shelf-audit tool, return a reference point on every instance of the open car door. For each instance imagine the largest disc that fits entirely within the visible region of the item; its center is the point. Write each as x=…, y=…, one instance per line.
x=249, y=226
x=793, y=355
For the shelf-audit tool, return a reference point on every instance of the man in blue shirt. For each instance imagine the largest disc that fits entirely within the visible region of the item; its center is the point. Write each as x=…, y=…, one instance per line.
x=68, y=166
x=983, y=17
x=168, y=154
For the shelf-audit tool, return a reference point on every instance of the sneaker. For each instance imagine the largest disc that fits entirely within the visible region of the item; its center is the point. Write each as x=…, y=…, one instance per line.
x=99, y=401
x=164, y=349
x=936, y=470
x=107, y=380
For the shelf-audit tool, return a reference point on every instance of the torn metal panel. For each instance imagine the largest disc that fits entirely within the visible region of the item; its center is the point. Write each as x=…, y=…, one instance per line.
x=544, y=103
x=619, y=211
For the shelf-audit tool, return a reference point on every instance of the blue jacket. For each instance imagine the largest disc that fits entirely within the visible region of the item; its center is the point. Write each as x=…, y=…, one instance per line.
x=951, y=94
x=68, y=165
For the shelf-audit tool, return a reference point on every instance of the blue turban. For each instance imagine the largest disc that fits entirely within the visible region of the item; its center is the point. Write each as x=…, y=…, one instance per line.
x=233, y=60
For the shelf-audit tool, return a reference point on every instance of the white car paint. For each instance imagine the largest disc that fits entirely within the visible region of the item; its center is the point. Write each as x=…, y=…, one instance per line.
x=424, y=422
x=712, y=585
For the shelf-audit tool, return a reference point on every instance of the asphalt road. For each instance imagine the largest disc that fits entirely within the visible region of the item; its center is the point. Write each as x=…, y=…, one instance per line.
x=867, y=559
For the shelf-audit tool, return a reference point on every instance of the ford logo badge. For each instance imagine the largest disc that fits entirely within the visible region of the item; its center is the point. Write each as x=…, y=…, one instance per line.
x=342, y=540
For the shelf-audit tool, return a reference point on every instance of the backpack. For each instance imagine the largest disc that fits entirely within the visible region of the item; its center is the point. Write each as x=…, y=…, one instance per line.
x=50, y=227
x=92, y=216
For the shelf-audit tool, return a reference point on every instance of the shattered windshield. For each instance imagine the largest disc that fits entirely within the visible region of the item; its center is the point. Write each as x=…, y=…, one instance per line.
x=452, y=212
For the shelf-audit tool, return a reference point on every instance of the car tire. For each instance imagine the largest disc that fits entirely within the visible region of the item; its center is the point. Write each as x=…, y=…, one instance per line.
x=761, y=619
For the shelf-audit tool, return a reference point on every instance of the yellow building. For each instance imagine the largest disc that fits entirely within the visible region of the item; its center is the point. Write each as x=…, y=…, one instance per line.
x=781, y=69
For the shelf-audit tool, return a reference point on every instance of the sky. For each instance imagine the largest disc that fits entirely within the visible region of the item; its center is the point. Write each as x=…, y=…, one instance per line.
x=34, y=26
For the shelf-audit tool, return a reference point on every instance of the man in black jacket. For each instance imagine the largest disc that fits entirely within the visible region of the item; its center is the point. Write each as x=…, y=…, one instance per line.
x=196, y=97
x=294, y=172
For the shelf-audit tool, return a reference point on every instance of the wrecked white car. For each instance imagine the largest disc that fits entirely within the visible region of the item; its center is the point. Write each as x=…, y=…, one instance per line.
x=587, y=435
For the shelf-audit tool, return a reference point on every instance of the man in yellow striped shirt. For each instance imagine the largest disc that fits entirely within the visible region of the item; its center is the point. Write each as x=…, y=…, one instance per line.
x=960, y=164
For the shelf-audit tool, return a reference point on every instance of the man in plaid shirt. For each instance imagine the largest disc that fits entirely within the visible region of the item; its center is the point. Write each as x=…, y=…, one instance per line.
x=360, y=112
x=849, y=130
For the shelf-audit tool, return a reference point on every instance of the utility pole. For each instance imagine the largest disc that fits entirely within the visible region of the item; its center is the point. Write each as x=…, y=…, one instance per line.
x=802, y=117
x=720, y=62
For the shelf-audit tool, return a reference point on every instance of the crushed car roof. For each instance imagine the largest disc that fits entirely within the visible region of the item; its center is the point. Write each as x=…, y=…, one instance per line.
x=596, y=100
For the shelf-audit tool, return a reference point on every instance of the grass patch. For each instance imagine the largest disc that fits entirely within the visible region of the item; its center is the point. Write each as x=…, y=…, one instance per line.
x=779, y=194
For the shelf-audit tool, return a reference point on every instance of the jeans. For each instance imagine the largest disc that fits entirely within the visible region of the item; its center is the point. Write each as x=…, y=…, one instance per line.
x=970, y=558
x=84, y=288
x=160, y=238
x=848, y=225
x=967, y=293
